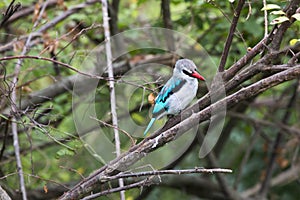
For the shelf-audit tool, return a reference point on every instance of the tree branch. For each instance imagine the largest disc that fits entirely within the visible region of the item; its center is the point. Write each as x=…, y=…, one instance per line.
x=11, y=9
x=285, y=177
x=111, y=83
x=166, y=14
x=38, y=97
x=52, y=23
x=157, y=140
x=228, y=42
x=3, y=194
x=14, y=109
x=164, y=172
x=145, y=182
x=271, y=164
x=148, y=181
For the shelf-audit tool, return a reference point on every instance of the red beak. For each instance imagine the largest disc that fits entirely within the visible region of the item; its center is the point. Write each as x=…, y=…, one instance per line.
x=198, y=76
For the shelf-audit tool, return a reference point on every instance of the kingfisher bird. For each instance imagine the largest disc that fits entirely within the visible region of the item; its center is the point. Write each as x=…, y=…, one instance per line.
x=178, y=92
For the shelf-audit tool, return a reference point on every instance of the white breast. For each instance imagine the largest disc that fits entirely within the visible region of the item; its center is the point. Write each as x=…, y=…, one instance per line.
x=181, y=99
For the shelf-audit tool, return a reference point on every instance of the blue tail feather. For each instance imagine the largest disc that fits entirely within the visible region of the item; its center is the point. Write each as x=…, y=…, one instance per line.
x=149, y=125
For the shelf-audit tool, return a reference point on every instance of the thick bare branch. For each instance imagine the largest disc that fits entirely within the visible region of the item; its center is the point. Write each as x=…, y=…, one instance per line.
x=156, y=140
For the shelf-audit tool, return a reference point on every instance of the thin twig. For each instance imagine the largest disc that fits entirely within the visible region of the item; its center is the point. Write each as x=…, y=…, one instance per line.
x=148, y=181
x=111, y=85
x=144, y=182
x=73, y=170
x=271, y=164
x=14, y=108
x=166, y=14
x=252, y=142
x=133, y=141
x=212, y=160
x=53, y=61
x=4, y=139
x=197, y=170
x=73, y=10
x=285, y=177
x=235, y=19
x=265, y=18
x=11, y=9
x=82, y=31
x=277, y=125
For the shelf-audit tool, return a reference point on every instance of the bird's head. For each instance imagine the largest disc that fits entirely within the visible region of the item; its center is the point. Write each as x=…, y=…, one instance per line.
x=187, y=69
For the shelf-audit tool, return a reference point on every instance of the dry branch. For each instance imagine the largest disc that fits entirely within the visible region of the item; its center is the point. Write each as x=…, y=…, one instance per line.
x=111, y=83
x=228, y=42
x=148, y=181
x=155, y=141
x=284, y=177
x=233, y=77
x=14, y=109
x=66, y=84
x=50, y=24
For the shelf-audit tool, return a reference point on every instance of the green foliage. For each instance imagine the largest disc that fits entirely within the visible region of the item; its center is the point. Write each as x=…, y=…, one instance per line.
x=271, y=7
x=64, y=152
x=50, y=145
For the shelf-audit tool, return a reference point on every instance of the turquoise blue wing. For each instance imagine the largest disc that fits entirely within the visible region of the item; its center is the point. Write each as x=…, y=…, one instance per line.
x=161, y=102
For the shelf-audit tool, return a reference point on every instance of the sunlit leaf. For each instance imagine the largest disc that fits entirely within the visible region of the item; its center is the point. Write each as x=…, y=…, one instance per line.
x=278, y=12
x=64, y=152
x=294, y=41
x=80, y=170
x=279, y=20
x=3, y=116
x=296, y=16
x=271, y=7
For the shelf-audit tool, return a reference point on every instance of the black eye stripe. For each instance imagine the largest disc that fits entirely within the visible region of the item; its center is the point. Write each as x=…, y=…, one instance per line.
x=186, y=72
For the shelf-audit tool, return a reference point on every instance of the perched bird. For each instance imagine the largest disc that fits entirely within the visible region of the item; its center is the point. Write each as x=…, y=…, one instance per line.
x=178, y=92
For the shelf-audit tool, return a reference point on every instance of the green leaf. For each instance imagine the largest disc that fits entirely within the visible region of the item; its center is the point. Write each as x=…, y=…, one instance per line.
x=64, y=152
x=294, y=41
x=296, y=16
x=271, y=7
x=278, y=12
x=279, y=20
x=3, y=116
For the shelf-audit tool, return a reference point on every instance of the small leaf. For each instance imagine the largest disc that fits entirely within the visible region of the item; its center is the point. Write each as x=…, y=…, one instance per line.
x=3, y=116
x=278, y=12
x=151, y=98
x=279, y=20
x=45, y=189
x=294, y=41
x=296, y=16
x=271, y=7
x=26, y=89
x=64, y=152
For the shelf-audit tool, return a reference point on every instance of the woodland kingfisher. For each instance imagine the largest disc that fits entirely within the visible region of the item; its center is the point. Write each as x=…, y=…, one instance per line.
x=178, y=92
